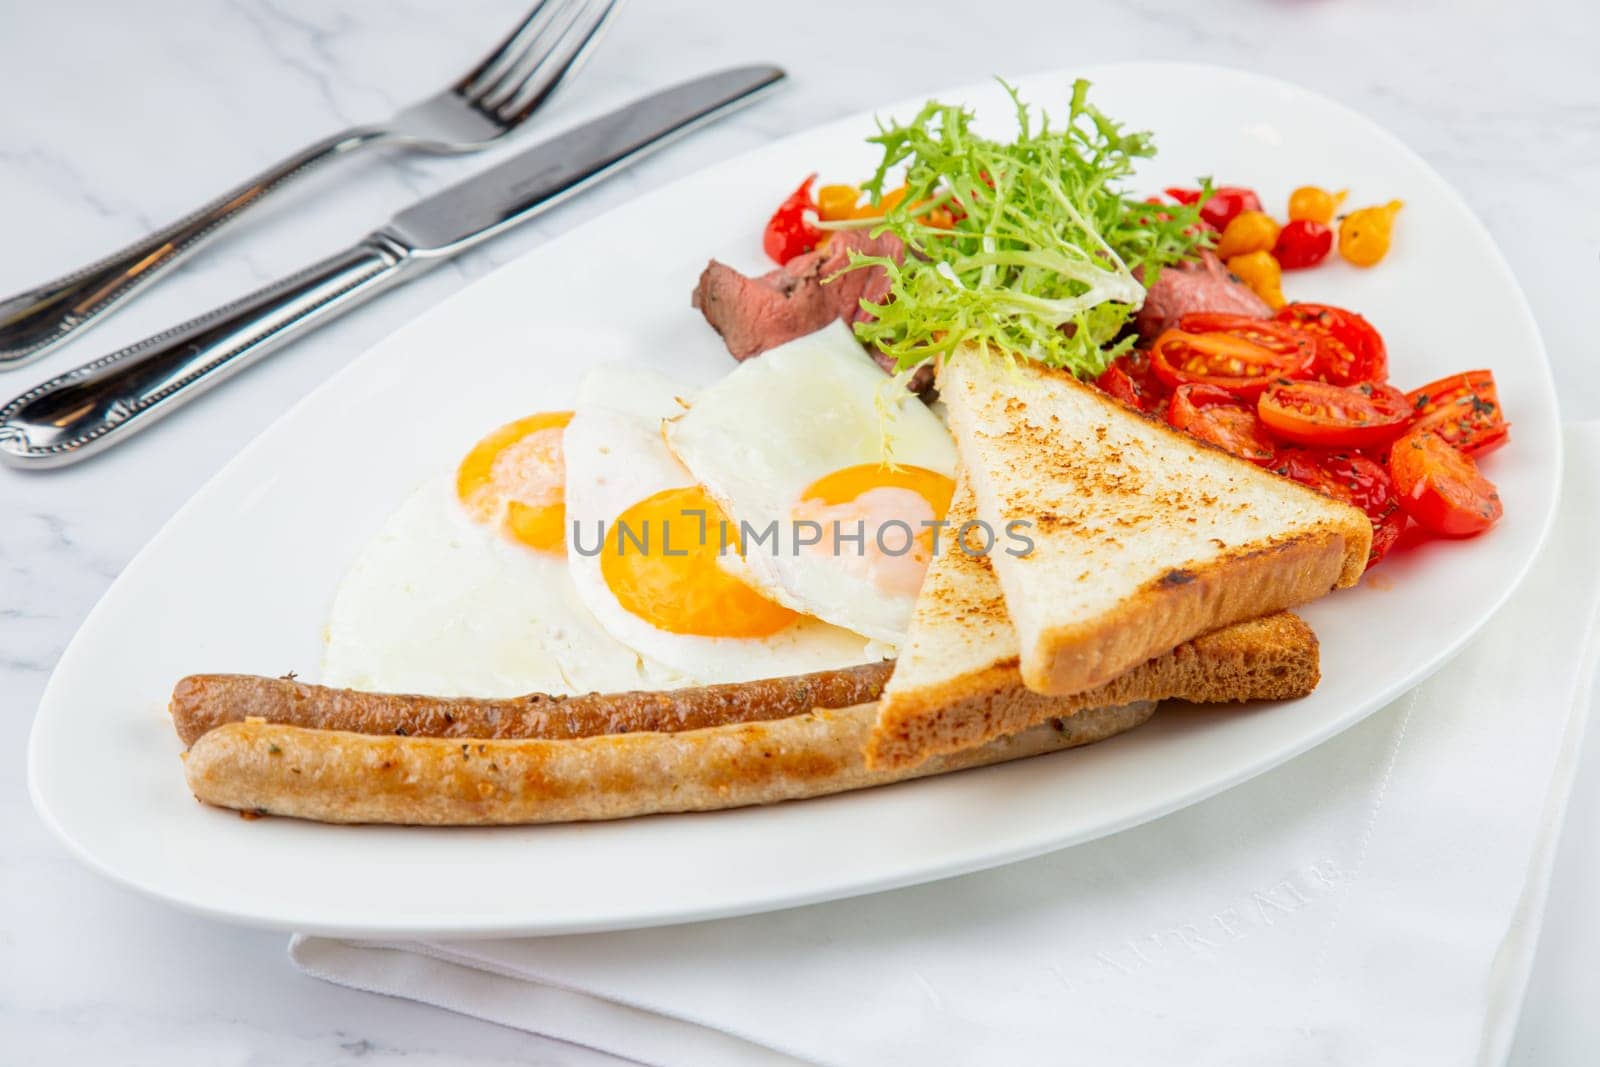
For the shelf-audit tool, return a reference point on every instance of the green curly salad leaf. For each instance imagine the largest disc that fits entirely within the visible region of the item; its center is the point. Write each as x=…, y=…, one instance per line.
x=1041, y=257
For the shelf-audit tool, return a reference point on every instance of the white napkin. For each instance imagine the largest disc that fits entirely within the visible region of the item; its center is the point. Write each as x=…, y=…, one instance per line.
x=1375, y=901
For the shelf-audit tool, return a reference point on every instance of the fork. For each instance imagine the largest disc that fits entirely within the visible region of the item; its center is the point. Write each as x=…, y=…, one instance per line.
x=490, y=101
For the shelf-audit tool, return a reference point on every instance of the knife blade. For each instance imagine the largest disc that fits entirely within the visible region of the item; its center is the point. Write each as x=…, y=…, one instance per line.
x=482, y=206
x=93, y=407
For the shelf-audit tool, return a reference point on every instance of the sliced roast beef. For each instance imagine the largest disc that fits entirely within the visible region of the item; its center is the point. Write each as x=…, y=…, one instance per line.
x=755, y=314
x=1202, y=286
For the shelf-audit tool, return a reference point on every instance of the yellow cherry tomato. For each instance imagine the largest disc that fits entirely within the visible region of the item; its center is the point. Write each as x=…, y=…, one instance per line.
x=1311, y=204
x=1260, y=271
x=1250, y=231
x=836, y=202
x=940, y=218
x=870, y=210
x=1364, y=235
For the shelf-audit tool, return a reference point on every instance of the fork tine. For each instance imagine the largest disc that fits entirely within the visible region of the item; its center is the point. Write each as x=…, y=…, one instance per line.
x=507, y=53
x=574, y=48
x=535, y=49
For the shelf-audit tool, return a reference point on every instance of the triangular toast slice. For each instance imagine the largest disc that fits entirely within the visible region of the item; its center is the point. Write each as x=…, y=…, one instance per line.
x=1142, y=536
x=957, y=683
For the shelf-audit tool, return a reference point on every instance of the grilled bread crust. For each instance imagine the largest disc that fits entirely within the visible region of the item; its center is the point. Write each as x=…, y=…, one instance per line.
x=1275, y=658
x=1146, y=537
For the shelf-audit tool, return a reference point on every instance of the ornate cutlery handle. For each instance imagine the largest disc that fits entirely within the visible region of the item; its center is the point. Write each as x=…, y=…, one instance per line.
x=34, y=322
x=92, y=407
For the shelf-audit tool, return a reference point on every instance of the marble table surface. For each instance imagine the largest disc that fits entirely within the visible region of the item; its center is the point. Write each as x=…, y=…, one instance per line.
x=119, y=117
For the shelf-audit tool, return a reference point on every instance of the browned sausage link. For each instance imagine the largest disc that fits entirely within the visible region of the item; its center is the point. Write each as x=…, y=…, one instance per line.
x=330, y=776
x=203, y=702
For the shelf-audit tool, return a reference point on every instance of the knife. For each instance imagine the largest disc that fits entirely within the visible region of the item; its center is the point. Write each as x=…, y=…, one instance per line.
x=91, y=408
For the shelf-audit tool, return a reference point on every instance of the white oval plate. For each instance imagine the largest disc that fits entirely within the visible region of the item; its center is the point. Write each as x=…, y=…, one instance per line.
x=241, y=578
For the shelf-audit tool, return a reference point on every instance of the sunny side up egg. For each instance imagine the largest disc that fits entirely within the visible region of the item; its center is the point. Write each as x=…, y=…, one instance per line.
x=575, y=552
x=645, y=547
x=447, y=600
x=812, y=438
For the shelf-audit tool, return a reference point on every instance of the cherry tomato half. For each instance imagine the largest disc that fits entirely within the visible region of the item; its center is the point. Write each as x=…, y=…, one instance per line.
x=1225, y=360
x=1116, y=383
x=1130, y=379
x=1352, y=350
x=1302, y=243
x=1358, y=480
x=1386, y=533
x=1440, y=487
x=1275, y=336
x=788, y=233
x=1217, y=416
x=1464, y=409
x=1335, y=416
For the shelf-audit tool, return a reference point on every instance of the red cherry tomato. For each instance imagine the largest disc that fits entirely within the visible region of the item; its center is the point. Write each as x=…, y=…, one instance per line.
x=1225, y=361
x=1333, y=416
x=1351, y=350
x=1186, y=197
x=1217, y=416
x=1130, y=379
x=788, y=233
x=1302, y=243
x=1146, y=219
x=1386, y=533
x=1440, y=487
x=1464, y=409
x=1275, y=336
x=1227, y=203
x=1358, y=480
x=1116, y=383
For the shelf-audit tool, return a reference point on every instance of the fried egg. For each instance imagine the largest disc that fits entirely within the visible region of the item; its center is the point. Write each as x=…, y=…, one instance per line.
x=650, y=550
x=465, y=591
x=812, y=438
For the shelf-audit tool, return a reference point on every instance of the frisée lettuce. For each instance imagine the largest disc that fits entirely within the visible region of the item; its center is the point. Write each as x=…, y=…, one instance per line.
x=1029, y=246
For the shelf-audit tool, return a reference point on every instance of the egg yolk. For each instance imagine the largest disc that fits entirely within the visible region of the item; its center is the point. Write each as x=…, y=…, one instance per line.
x=516, y=478
x=660, y=560
x=843, y=486
x=862, y=499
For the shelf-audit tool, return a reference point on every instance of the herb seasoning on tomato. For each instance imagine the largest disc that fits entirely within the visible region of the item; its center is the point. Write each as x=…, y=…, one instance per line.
x=1464, y=409
x=1333, y=416
x=1440, y=487
x=1358, y=480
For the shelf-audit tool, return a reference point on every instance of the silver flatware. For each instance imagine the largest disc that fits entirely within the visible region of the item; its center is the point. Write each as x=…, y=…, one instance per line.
x=490, y=101
x=91, y=408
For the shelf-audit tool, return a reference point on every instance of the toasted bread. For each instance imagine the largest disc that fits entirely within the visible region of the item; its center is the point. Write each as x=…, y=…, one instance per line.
x=957, y=682
x=1142, y=536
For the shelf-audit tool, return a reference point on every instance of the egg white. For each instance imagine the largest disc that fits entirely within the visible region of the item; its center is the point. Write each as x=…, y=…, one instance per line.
x=440, y=604
x=616, y=456
x=779, y=422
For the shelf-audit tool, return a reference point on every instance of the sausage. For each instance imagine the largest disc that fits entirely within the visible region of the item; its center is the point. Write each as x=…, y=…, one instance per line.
x=203, y=702
x=342, y=777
